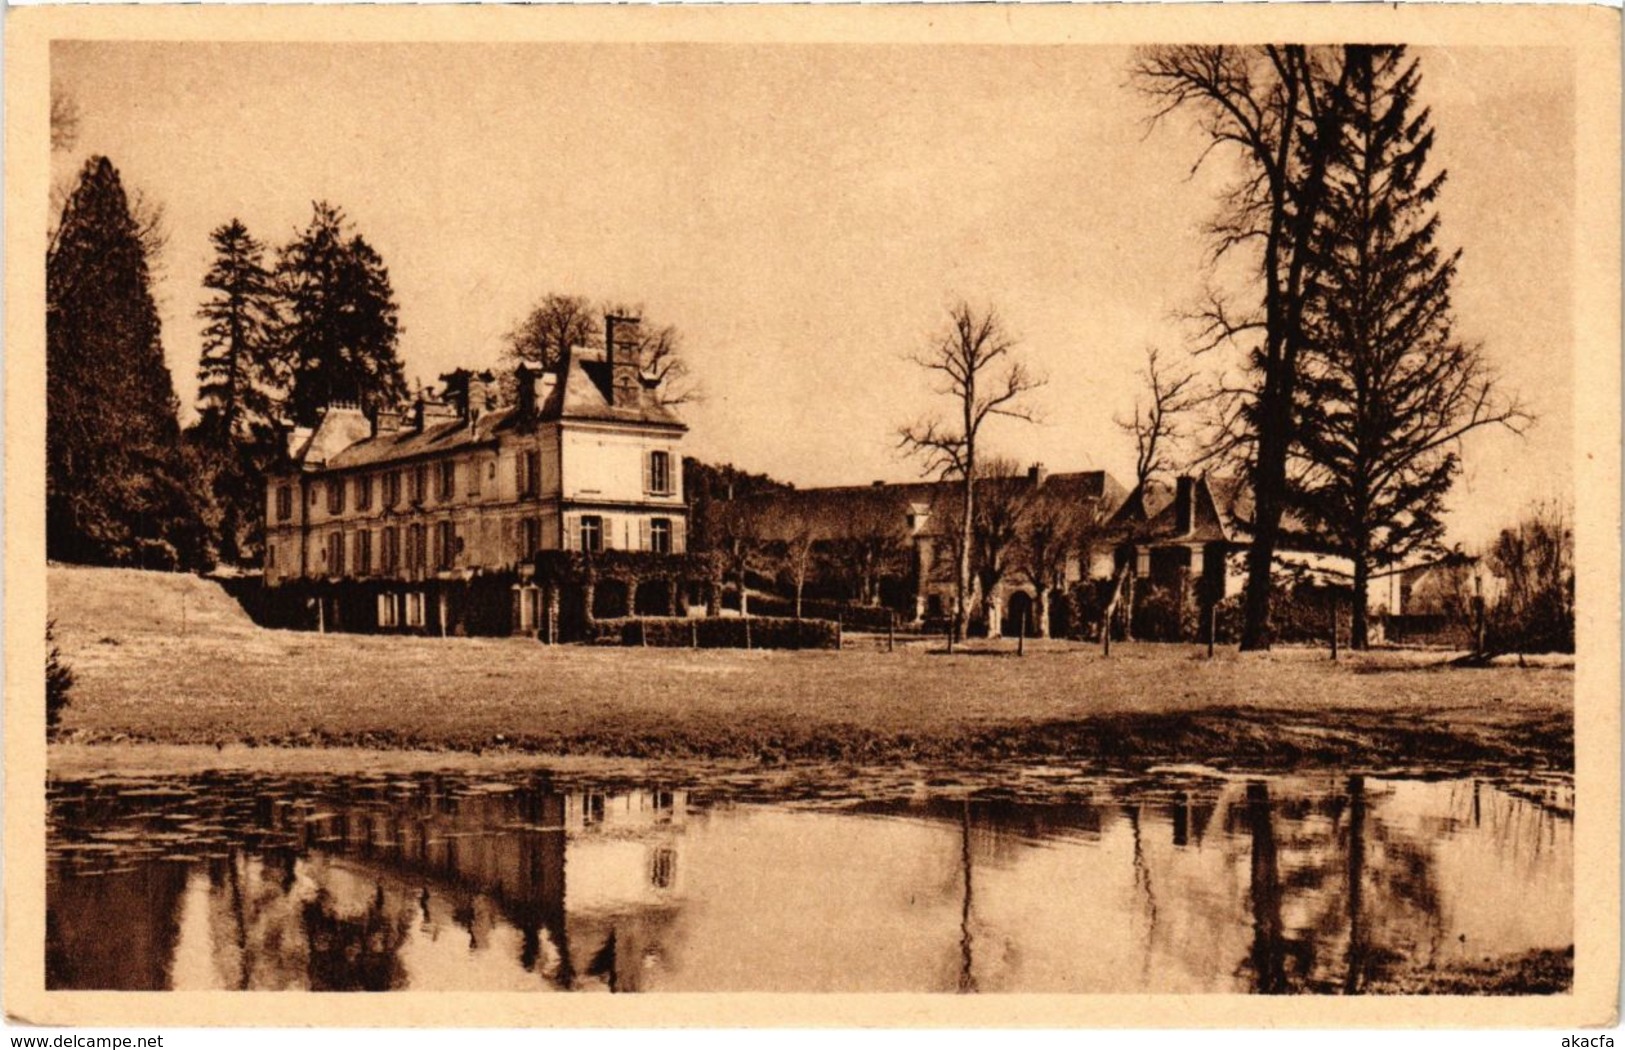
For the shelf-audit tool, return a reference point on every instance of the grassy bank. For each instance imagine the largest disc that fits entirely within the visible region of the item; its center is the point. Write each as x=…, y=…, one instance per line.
x=171, y=659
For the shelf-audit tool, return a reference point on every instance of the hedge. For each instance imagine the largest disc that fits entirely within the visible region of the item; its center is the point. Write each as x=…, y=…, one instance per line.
x=721, y=632
x=852, y=617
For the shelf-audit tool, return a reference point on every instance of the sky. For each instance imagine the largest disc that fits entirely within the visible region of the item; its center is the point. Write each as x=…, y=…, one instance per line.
x=805, y=215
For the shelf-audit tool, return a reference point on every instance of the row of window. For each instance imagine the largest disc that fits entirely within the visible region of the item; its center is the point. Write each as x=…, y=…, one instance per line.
x=415, y=547
x=415, y=481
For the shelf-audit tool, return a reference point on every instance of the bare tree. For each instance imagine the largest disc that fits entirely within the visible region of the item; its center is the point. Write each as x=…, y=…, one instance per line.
x=1277, y=110
x=1158, y=425
x=559, y=322
x=1006, y=499
x=1056, y=528
x=64, y=121
x=738, y=533
x=869, y=541
x=974, y=357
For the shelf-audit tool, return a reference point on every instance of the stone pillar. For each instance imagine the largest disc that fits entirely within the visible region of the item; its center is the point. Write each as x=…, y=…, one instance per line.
x=673, y=585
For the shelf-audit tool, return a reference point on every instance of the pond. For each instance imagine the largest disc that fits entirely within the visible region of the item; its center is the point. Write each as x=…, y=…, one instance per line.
x=1176, y=881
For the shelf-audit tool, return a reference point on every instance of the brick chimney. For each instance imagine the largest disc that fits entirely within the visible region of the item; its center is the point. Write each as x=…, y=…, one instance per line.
x=625, y=366
x=1184, y=504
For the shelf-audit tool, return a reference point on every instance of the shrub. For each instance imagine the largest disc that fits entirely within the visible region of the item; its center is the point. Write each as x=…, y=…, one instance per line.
x=58, y=679
x=730, y=632
x=851, y=617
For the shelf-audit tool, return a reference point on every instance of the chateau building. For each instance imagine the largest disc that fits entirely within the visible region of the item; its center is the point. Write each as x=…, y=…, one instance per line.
x=430, y=519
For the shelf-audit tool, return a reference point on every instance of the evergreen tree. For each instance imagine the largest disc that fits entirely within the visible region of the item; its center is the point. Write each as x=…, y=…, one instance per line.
x=339, y=330
x=118, y=487
x=1386, y=389
x=238, y=382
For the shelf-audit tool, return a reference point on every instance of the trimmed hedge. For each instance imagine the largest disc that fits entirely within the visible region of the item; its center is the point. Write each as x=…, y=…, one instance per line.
x=852, y=617
x=720, y=632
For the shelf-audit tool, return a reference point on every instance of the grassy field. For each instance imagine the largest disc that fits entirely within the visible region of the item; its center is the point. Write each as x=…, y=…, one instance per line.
x=172, y=659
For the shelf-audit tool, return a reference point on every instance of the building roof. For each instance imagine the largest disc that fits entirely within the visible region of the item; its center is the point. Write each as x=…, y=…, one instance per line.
x=843, y=508
x=344, y=437
x=586, y=394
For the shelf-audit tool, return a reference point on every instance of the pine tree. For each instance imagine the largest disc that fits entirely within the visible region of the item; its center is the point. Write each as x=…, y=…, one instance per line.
x=339, y=331
x=118, y=487
x=237, y=376
x=238, y=385
x=1386, y=389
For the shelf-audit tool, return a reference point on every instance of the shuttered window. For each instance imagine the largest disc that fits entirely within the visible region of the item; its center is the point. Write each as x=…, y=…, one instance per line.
x=679, y=539
x=657, y=473
x=659, y=536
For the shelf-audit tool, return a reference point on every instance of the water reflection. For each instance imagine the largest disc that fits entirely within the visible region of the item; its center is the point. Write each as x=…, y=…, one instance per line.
x=440, y=881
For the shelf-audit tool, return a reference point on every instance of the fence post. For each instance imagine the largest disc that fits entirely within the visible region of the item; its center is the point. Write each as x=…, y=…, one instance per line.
x=837, y=632
x=1021, y=635
x=1212, y=626
x=891, y=631
x=693, y=635
x=1334, y=627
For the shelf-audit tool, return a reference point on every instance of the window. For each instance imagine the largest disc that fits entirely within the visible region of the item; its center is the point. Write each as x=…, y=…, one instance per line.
x=270, y=555
x=414, y=607
x=530, y=474
x=657, y=474
x=284, y=502
x=387, y=615
x=530, y=538
x=445, y=544
x=420, y=483
x=473, y=477
x=592, y=532
x=389, y=550
x=448, y=481
x=417, y=547
x=315, y=491
x=335, y=554
x=363, y=492
x=335, y=496
x=392, y=488
x=660, y=535
x=363, y=552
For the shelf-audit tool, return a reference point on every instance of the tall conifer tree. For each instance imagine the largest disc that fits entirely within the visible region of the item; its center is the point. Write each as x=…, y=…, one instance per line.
x=1386, y=388
x=119, y=488
x=238, y=386
x=339, y=330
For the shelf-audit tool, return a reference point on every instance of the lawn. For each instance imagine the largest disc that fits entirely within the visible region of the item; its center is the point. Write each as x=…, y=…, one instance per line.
x=172, y=659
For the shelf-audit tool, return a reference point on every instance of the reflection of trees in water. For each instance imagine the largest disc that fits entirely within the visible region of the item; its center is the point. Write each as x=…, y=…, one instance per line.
x=116, y=930
x=1367, y=894
x=355, y=953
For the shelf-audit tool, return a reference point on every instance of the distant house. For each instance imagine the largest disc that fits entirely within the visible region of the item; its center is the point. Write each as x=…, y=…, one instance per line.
x=919, y=523
x=1197, y=534
x=431, y=519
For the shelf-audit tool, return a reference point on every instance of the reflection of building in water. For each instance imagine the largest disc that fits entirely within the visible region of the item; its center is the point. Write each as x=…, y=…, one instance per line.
x=433, y=882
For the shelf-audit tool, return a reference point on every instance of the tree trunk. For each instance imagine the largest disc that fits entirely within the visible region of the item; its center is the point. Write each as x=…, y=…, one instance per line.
x=1358, y=628
x=990, y=610
x=1041, y=630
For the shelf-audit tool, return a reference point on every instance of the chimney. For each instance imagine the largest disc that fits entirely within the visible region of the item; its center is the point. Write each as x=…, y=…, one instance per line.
x=879, y=484
x=385, y=422
x=526, y=379
x=625, y=368
x=1037, y=474
x=1185, y=504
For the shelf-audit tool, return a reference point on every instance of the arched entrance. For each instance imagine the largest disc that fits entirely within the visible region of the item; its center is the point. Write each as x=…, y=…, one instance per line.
x=1018, y=611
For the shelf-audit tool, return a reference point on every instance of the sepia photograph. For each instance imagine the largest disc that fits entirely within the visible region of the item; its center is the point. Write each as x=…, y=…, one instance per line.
x=991, y=506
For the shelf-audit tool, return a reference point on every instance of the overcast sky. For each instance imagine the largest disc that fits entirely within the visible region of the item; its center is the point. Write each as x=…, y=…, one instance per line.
x=805, y=215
